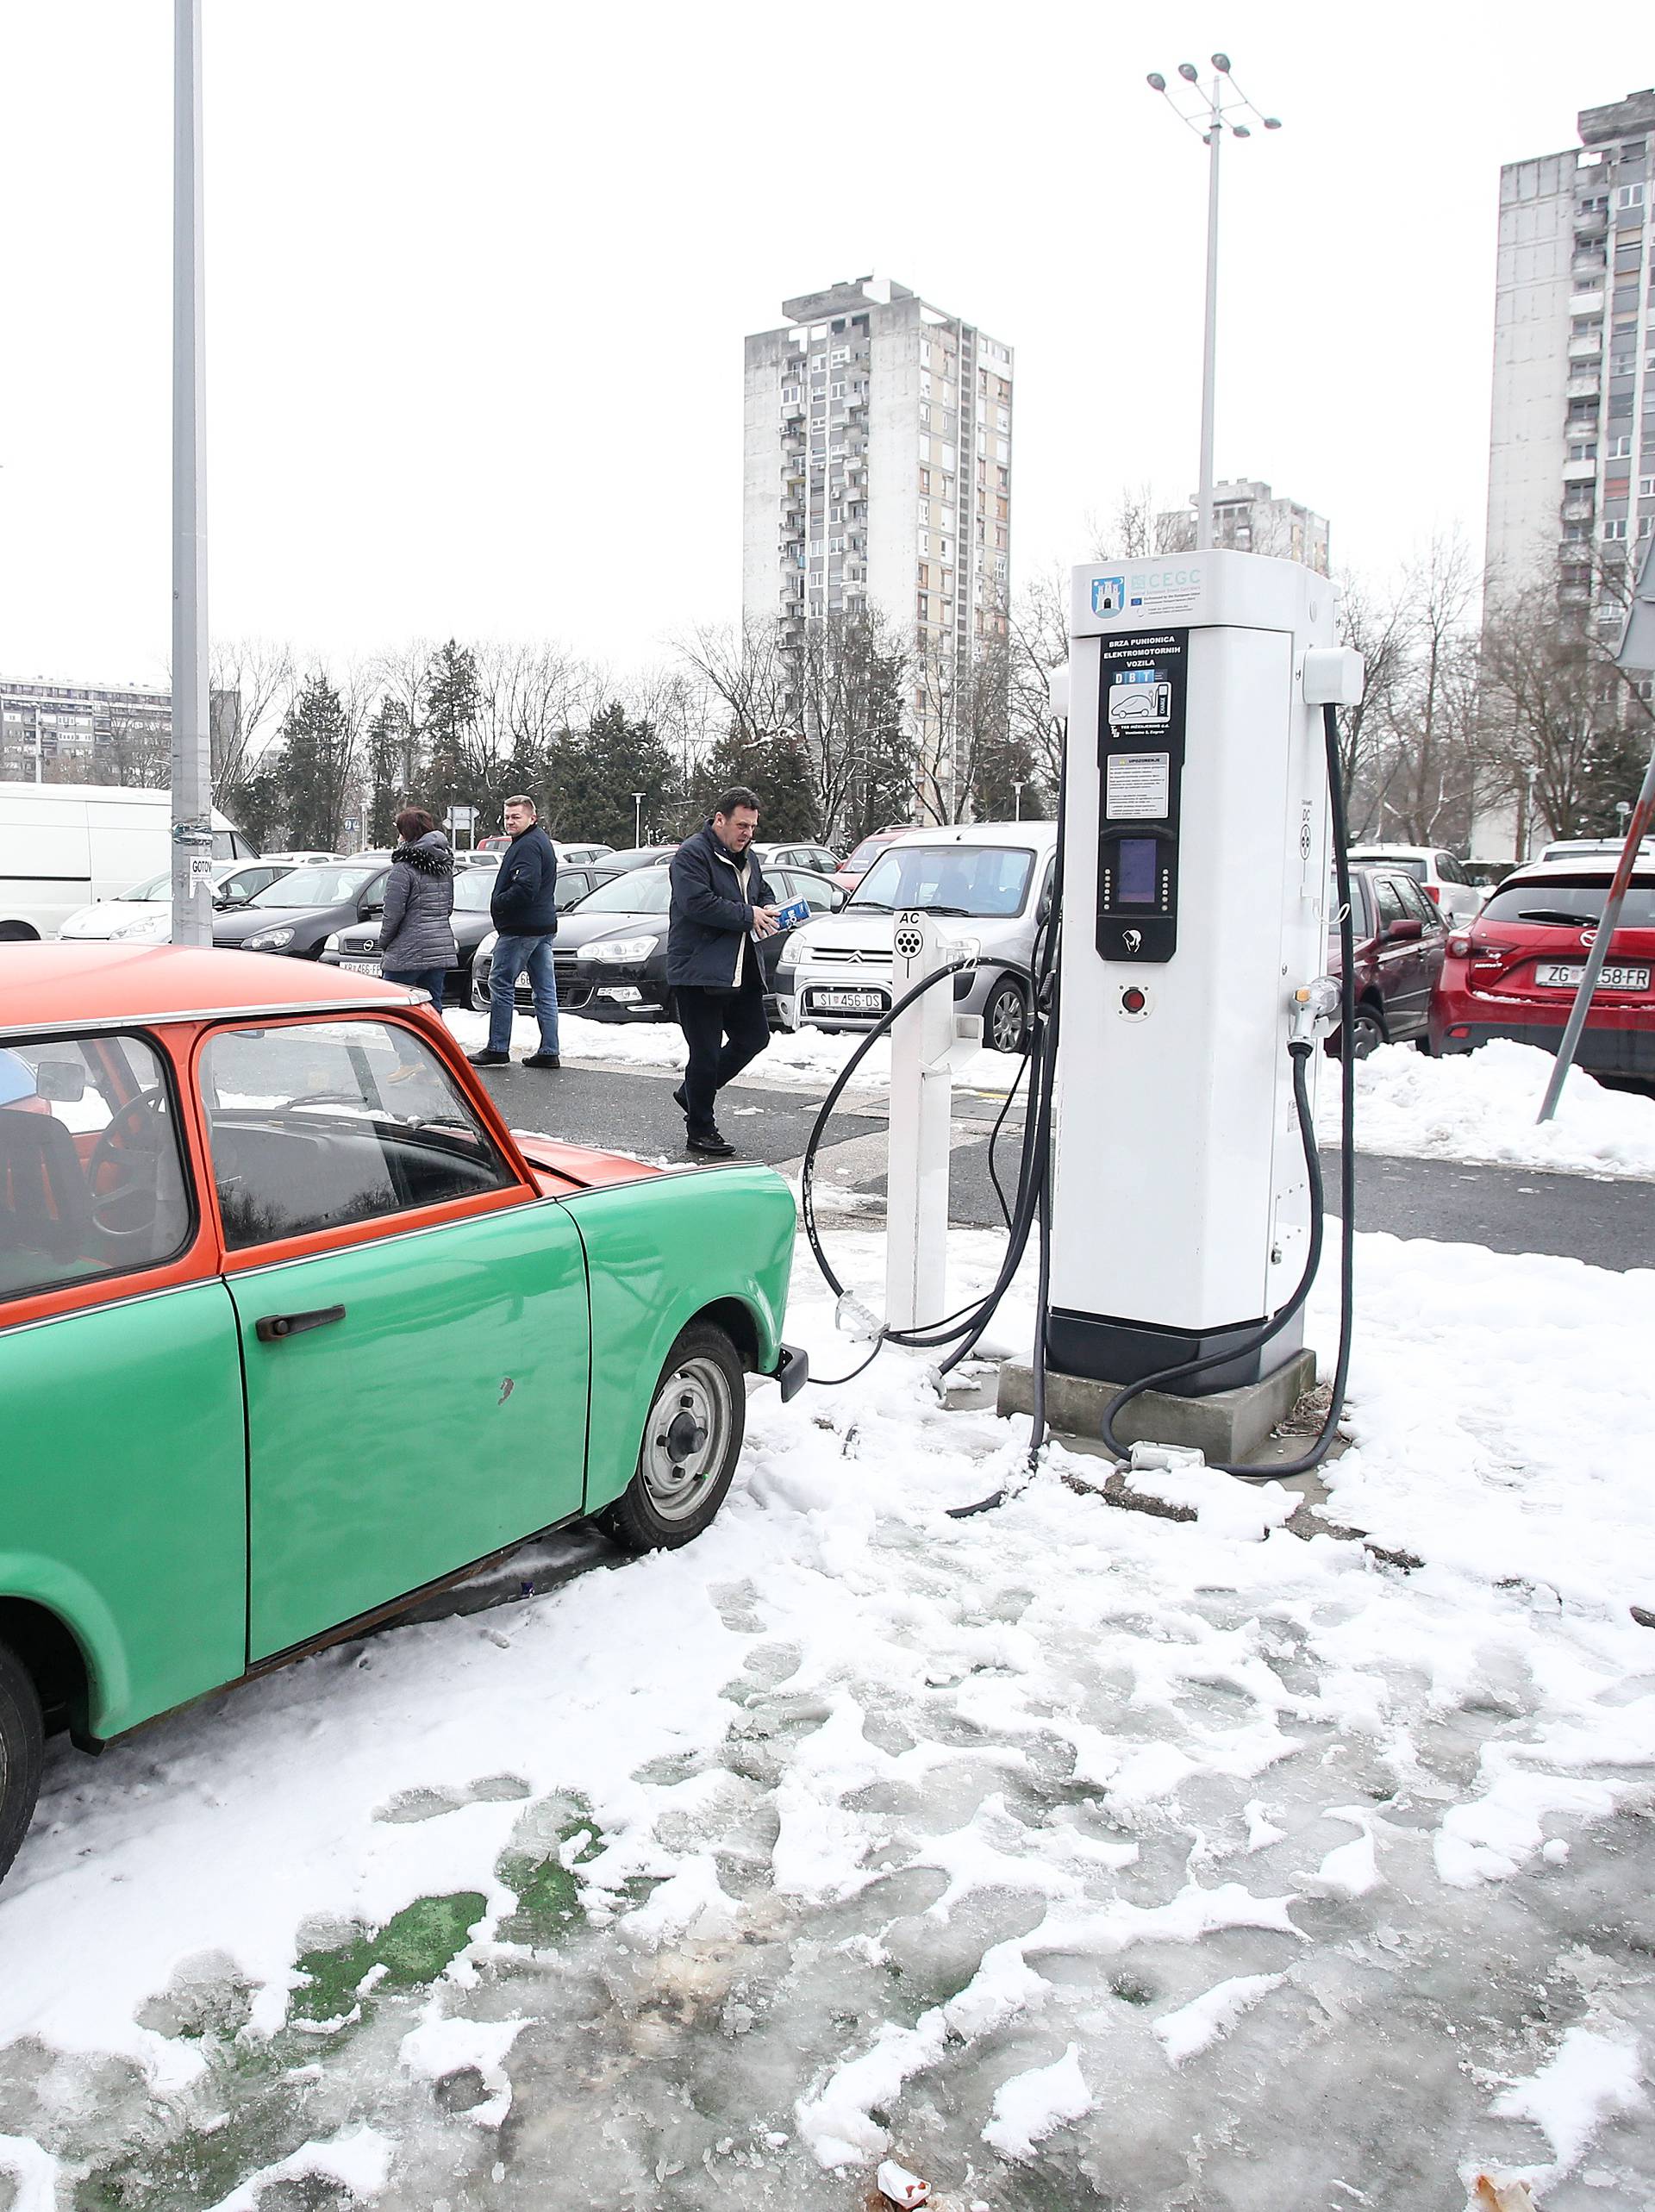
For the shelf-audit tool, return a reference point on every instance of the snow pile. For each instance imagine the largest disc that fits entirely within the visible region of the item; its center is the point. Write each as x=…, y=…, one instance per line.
x=1480, y=1108
x=1035, y=1851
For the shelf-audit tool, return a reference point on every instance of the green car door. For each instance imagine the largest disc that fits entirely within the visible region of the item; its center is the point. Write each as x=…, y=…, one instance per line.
x=416, y=1399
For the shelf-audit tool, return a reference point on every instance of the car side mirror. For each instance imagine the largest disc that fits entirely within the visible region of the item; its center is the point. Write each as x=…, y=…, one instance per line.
x=223, y=905
x=62, y=1082
x=376, y=907
x=838, y=898
x=1408, y=931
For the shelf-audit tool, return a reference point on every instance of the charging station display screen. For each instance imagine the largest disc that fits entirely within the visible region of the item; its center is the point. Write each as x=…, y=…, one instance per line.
x=1136, y=883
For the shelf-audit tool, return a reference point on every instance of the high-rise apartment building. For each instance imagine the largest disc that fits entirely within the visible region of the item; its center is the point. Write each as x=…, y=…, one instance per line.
x=1248, y=518
x=67, y=733
x=876, y=473
x=1572, y=456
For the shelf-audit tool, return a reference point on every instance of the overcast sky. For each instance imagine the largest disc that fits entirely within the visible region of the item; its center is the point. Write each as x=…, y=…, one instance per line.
x=478, y=274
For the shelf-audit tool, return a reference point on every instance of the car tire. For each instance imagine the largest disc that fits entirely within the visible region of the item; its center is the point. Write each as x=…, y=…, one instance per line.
x=18, y=933
x=1005, y=1018
x=21, y=1737
x=682, y=1478
x=1369, y=1030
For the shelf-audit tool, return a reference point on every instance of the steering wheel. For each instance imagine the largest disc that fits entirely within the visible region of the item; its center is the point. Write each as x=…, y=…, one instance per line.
x=140, y=1114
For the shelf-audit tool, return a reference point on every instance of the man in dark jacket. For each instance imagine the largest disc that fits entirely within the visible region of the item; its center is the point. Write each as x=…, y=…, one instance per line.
x=417, y=940
x=721, y=907
x=524, y=911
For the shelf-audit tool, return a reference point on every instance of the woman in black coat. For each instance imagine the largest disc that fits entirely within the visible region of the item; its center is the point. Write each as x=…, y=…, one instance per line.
x=416, y=940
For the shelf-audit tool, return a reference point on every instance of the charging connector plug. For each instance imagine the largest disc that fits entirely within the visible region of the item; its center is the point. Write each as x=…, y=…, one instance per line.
x=1316, y=1011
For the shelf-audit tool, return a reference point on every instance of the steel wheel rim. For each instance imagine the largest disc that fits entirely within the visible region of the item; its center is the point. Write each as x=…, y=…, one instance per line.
x=1368, y=1036
x=1006, y=1021
x=678, y=1470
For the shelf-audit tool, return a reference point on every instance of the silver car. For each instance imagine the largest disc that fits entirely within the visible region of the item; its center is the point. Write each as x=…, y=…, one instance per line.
x=991, y=880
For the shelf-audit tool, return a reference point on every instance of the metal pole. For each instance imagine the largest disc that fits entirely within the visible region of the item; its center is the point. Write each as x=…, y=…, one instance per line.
x=1636, y=830
x=1209, y=348
x=192, y=841
x=637, y=817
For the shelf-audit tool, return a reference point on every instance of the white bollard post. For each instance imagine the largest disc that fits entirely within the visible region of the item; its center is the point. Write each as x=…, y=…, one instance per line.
x=916, y=1206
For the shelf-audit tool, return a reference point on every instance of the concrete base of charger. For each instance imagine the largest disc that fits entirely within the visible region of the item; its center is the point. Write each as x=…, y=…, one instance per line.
x=1230, y=1425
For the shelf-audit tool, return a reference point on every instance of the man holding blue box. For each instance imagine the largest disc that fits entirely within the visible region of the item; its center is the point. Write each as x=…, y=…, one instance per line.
x=721, y=908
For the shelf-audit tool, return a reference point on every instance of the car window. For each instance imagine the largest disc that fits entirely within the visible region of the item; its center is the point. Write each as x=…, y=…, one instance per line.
x=1389, y=901
x=1360, y=929
x=814, y=890
x=963, y=879
x=1416, y=902
x=152, y=887
x=1420, y=870
x=92, y=1181
x=1568, y=905
x=474, y=888
x=317, y=1124
x=316, y=887
x=1448, y=870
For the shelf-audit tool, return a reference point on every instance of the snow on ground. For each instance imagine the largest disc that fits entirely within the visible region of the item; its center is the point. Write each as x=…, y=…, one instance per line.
x=1480, y=1108
x=1062, y=1855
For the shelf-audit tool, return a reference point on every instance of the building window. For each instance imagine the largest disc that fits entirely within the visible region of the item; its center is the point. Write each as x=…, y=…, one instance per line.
x=1616, y=528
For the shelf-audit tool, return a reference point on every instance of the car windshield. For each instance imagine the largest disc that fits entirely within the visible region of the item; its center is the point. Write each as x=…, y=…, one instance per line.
x=473, y=888
x=966, y=879
x=316, y=887
x=641, y=891
x=1567, y=905
x=1420, y=870
x=865, y=855
x=152, y=887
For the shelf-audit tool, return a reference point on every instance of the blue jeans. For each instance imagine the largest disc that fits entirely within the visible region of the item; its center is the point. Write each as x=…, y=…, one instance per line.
x=431, y=980
x=513, y=957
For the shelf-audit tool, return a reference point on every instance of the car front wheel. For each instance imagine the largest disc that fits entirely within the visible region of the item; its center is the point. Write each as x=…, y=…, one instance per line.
x=1370, y=1030
x=21, y=1736
x=691, y=1442
x=1005, y=1018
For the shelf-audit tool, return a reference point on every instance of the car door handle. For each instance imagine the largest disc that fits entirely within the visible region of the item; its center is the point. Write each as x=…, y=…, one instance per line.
x=274, y=1327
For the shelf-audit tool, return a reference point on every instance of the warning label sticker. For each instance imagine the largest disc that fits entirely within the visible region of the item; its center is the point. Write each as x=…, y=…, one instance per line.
x=1138, y=786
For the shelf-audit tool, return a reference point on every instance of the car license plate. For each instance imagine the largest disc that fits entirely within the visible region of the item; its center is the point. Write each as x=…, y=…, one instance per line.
x=845, y=1002
x=361, y=967
x=1565, y=977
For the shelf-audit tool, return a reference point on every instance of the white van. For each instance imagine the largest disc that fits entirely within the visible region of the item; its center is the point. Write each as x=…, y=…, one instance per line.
x=63, y=845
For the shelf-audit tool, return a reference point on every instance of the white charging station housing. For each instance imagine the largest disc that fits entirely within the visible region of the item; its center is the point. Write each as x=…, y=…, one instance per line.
x=1195, y=870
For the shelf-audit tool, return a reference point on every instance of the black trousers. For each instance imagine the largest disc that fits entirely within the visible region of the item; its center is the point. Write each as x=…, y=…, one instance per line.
x=724, y=1029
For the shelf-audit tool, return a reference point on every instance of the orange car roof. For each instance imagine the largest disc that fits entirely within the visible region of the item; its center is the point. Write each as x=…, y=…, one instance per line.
x=61, y=986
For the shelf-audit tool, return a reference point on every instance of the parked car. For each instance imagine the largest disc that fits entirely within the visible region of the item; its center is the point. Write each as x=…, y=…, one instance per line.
x=816, y=860
x=1442, y=877
x=639, y=856
x=1399, y=942
x=293, y=1331
x=302, y=859
x=640, y=895
x=1515, y=972
x=994, y=877
x=357, y=948
x=580, y=855
x=1596, y=848
x=146, y=909
x=862, y=857
x=297, y=916
x=620, y=975
x=64, y=846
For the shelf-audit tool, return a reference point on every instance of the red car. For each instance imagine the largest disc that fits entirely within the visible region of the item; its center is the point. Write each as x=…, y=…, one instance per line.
x=1398, y=936
x=857, y=862
x=1515, y=971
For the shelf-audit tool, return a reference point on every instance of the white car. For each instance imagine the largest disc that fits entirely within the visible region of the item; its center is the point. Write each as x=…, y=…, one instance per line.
x=146, y=910
x=1442, y=878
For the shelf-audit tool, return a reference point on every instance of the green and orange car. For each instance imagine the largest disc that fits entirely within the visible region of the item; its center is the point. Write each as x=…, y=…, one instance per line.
x=293, y=1329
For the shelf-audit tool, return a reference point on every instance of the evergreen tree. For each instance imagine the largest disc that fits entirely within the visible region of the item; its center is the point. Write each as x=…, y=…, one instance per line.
x=386, y=743
x=317, y=764
x=453, y=707
x=777, y=768
x=595, y=774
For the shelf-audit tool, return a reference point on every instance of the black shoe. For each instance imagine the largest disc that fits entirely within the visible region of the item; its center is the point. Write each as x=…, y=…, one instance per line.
x=712, y=1145
x=542, y=1059
x=680, y=1101
x=486, y=1059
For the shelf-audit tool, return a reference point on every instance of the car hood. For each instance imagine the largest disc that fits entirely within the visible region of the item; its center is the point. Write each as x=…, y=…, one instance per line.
x=576, y=928
x=104, y=919
x=233, y=928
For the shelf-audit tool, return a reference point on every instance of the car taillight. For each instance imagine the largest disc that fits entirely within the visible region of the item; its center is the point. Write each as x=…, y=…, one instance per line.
x=1435, y=891
x=1460, y=947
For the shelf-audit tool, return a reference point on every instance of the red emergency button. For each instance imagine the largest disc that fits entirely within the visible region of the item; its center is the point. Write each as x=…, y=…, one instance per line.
x=1133, y=1001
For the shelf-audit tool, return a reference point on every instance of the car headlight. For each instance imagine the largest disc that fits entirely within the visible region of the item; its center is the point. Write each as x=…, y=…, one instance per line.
x=267, y=941
x=153, y=926
x=792, y=951
x=331, y=944
x=622, y=948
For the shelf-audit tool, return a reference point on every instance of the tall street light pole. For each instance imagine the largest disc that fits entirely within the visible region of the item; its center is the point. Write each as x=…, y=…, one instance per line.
x=192, y=835
x=1225, y=101
x=637, y=817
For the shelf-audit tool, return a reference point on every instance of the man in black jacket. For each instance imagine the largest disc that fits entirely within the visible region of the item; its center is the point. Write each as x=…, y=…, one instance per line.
x=721, y=907
x=524, y=910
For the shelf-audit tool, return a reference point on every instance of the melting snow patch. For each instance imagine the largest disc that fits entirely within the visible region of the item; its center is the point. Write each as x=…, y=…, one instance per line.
x=358, y=2162
x=1197, y=2026
x=34, y=2172
x=1592, y=2076
x=1030, y=2107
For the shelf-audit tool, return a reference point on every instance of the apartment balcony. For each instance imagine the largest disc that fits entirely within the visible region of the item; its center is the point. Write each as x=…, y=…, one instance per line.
x=1580, y=472
x=1586, y=346
x=1587, y=303
x=1587, y=387
x=1588, y=264
x=1577, y=510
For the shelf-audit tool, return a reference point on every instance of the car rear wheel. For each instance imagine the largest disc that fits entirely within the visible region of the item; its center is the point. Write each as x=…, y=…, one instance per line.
x=1005, y=1018
x=1370, y=1030
x=691, y=1442
x=20, y=1739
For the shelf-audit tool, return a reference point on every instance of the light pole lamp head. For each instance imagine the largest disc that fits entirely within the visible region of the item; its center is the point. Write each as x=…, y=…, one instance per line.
x=1155, y=81
x=1189, y=73
x=1239, y=130
x=1273, y=123
x=1221, y=63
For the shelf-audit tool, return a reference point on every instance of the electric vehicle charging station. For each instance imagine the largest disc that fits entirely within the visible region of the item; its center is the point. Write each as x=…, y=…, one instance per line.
x=1194, y=909
x=928, y=1042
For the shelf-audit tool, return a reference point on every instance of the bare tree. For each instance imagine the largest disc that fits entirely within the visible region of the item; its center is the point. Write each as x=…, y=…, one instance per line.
x=1038, y=643
x=1375, y=622
x=1138, y=527
x=1425, y=769
x=252, y=683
